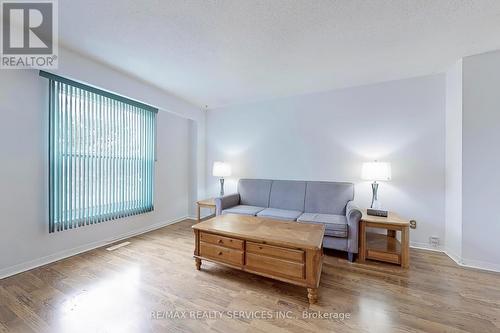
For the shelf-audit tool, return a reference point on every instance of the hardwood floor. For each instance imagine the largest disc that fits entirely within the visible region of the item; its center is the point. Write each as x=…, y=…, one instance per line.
x=133, y=288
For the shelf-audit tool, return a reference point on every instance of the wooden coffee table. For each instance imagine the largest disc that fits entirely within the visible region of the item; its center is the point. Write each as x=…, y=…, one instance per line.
x=287, y=251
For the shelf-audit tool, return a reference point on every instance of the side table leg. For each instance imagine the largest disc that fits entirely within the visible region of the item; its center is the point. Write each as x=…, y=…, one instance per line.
x=198, y=263
x=362, y=241
x=405, y=248
x=312, y=294
x=199, y=213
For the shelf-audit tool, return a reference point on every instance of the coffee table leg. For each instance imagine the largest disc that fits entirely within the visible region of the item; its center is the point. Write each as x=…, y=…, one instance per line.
x=198, y=263
x=312, y=294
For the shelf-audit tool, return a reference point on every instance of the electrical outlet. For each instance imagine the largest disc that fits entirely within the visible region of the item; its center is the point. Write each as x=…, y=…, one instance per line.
x=434, y=241
x=413, y=224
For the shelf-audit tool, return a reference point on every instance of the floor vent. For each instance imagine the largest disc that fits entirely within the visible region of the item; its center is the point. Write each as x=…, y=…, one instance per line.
x=117, y=246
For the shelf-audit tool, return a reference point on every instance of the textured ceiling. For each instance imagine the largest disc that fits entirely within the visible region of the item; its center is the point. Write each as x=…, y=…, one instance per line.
x=220, y=52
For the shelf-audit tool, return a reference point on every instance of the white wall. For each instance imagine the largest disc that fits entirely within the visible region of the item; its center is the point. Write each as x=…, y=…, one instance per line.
x=327, y=136
x=24, y=238
x=453, y=206
x=481, y=160
x=80, y=68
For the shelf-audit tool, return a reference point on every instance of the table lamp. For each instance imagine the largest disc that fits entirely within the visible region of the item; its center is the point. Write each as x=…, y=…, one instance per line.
x=376, y=171
x=221, y=170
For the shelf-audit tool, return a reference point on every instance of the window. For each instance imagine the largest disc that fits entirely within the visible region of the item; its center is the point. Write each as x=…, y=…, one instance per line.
x=101, y=155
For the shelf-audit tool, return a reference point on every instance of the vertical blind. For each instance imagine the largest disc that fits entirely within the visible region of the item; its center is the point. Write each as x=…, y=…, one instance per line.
x=101, y=155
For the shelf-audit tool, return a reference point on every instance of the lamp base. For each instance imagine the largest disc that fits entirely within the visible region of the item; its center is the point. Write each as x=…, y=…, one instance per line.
x=221, y=187
x=375, y=203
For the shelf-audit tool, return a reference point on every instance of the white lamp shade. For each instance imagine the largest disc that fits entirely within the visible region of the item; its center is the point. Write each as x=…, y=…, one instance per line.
x=376, y=171
x=221, y=169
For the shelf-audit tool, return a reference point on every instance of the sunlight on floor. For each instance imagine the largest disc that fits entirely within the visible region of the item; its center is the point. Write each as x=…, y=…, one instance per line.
x=375, y=314
x=112, y=305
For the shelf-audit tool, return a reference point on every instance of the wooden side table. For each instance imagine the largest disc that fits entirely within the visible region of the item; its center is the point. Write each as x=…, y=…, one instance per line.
x=207, y=203
x=384, y=247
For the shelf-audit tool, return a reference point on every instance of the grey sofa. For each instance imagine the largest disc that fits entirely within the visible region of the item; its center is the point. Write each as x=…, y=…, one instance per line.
x=329, y=203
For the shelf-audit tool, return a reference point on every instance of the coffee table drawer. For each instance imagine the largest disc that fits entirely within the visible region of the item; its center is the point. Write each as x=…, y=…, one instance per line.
x=275, y=251
x=221, y=241
x=266, y=264
x=221, y=253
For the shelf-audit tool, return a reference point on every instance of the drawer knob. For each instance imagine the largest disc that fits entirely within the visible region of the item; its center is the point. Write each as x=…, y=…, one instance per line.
x=220, y=253
x=219, y=241
x=260, y=247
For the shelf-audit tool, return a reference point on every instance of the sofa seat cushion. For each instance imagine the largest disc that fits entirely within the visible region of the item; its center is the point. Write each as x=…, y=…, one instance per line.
x=243, y=210
x=335, y=225
x=280, y=214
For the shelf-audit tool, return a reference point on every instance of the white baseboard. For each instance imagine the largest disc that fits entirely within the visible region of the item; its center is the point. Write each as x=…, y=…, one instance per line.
x=25, y=266
x=477, y=264
x=455, y=257
x=487, y=266
x=202, y=216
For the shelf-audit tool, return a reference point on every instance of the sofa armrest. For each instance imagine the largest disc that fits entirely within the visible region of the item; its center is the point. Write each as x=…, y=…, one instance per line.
x=225, y=202
x=353, y=215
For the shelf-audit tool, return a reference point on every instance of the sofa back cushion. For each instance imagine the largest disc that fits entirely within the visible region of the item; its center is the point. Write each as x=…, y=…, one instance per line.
x=288, y=194
x=254, y=192
x=328, y=197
